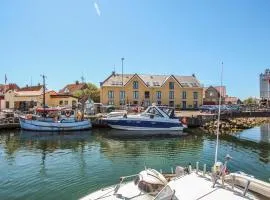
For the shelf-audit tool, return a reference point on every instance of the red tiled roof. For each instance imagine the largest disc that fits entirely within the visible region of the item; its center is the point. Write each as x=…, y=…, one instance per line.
x=31, y=88
x=73, y=87
x=221, y=89
x=10, y=86
x=62, y=96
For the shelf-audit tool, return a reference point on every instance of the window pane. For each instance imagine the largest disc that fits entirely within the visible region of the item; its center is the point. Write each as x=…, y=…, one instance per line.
x=171, y=85
x=135, y=85
x=171, y=95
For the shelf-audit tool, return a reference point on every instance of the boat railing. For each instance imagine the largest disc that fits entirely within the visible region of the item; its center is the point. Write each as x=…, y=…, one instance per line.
x=225, y=178
x=122, y=179
x=263, y=187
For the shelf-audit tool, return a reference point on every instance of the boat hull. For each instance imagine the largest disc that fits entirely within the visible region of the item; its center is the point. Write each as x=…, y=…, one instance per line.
x=36, y=125
x=144, y=125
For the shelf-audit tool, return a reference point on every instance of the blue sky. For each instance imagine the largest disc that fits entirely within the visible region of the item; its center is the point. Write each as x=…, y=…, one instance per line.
x=66, y=38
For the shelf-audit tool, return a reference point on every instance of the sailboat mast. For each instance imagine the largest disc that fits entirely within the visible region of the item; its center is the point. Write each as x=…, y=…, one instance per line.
x=44, y=88
x=219, y=108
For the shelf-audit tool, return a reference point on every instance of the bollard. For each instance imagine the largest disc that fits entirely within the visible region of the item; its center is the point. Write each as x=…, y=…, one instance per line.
x=204, y=169
x=172, y=170
x=190, y=168
x=197, y=167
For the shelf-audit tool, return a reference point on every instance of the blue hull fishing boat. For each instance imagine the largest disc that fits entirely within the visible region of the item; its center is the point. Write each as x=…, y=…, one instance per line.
x=39, y=125
x=58, y=123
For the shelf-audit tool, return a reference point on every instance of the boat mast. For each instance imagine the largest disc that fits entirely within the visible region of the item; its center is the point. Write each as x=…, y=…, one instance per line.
x=44, y=88
x=219, y=108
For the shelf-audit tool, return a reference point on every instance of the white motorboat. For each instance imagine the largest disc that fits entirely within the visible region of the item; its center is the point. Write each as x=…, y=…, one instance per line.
x=185, y=184
x=154, y=118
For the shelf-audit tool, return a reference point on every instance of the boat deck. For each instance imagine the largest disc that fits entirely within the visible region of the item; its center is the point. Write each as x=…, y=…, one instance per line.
x=196, y=186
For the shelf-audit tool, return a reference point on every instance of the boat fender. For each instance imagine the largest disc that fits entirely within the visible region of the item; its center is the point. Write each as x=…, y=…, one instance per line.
x=125, y=115
x=184, y=120
x=62, y=120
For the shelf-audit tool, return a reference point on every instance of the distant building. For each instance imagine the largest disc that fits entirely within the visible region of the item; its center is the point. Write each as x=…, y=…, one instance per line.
x=184, y=92
x=264, y=84
x=7, y=87
x=24, y=98
x=30, y=97
x=55, y=99
x=231, y=100
x=3, y=90
x=212, y=94
x=73, y=88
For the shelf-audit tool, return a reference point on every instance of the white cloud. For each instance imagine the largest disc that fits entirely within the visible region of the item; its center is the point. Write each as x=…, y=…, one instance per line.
x=97, y=8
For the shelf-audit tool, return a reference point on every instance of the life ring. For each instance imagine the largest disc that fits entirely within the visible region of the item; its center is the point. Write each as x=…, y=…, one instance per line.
x=68, y=113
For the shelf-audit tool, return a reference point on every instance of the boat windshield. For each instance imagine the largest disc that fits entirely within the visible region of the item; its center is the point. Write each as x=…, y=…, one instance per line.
x=166, y=194
x=153, y=112
x=168, y=111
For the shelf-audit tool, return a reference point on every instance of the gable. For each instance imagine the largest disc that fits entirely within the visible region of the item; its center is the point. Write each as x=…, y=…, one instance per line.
x=169, y=79
x=136, y=78
x=211, y=92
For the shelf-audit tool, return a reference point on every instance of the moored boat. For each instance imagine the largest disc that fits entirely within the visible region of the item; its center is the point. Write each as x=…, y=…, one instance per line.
x=51, y=119
x=154, y=118
x=185, y=183
x=64, y=125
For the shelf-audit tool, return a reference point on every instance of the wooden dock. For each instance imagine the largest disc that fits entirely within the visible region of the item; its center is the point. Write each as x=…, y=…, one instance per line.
x=9, y=123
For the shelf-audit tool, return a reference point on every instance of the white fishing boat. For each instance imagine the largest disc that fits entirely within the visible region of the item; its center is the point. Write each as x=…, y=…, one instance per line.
x=154, y=118
x=57, y=122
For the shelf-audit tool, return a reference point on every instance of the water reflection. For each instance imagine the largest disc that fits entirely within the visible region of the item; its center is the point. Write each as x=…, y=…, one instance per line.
x=72, y=164
x=265, y=133
x=163, y=146
x=261, y=148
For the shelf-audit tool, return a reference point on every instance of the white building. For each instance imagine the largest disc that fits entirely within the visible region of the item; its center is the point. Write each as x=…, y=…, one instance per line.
x=265, y=84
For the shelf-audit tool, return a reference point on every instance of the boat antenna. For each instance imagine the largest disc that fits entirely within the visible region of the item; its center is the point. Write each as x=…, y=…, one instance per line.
x=44, y=88
x=219, y=108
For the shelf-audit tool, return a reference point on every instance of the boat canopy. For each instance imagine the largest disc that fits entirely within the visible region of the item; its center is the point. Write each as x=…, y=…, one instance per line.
x=160, y=111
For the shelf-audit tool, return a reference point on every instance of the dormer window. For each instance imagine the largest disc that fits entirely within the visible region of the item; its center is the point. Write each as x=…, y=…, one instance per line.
x=66, y=90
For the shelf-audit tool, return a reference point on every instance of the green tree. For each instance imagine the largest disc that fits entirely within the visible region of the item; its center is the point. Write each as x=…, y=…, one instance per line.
x=92, y=91
x=250, y=100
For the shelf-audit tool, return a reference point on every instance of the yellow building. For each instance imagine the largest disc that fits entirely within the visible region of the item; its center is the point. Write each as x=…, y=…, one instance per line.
x=183, y=92
x=30, y=97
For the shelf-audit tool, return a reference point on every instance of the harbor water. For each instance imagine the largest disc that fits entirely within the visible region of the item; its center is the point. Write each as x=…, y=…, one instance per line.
x=71, y=165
